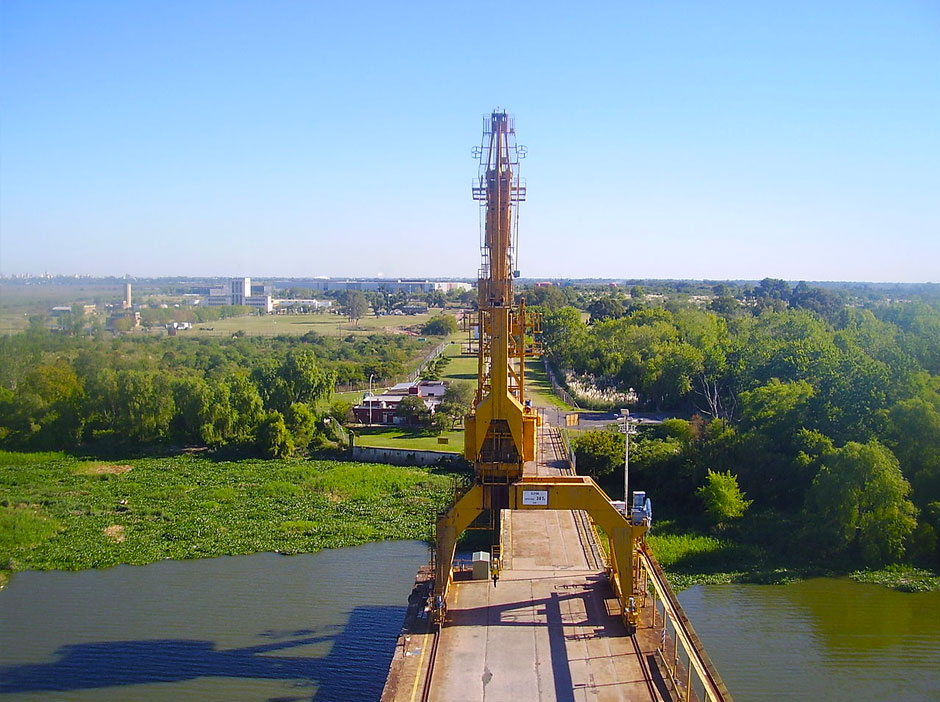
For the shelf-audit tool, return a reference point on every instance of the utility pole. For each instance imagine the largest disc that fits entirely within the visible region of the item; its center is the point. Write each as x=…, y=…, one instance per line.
x=371, y=398
x=627, y=427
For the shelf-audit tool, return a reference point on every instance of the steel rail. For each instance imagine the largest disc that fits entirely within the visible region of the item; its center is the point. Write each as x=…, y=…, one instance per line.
x=432, y=662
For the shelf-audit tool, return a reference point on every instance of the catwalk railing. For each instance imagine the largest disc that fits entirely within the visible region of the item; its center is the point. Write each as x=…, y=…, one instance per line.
x=680, y=649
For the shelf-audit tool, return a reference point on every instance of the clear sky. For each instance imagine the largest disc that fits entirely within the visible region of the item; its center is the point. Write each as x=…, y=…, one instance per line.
x=667, y=139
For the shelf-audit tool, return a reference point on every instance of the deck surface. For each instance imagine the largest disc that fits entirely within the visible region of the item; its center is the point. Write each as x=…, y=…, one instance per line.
x=549, y=630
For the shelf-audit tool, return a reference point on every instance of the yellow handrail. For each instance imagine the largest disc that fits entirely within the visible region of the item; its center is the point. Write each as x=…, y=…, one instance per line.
x=699, y=662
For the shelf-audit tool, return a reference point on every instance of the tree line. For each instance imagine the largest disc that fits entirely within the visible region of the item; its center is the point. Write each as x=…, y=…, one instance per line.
x=827, y=417
x=266, y=395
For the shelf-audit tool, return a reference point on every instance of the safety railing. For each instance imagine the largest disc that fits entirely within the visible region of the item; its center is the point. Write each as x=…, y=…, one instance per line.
x=681, y=651
x=556, y=386
x=572, y=458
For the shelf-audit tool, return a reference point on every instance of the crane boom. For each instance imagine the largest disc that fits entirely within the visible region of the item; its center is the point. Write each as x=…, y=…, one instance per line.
x=500, y=430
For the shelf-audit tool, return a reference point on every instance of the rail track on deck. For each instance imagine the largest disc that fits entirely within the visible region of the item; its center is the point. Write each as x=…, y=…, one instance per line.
x=563, y=463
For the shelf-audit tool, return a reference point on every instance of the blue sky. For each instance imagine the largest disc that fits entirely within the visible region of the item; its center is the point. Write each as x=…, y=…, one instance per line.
x=716, y=140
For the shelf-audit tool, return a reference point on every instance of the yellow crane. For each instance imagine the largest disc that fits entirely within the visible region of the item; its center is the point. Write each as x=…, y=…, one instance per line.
x=501, y=428
x=500, y=433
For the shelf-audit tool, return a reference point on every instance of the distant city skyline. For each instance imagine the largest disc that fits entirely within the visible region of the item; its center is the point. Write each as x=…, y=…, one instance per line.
x=723, y=141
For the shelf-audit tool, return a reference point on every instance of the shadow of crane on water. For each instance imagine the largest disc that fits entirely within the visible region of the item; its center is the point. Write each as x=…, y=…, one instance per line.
x=354, y=668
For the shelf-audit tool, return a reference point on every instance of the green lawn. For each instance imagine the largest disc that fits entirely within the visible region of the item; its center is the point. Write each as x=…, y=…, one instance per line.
x=539, y=388
x=462, y=366
x=406, y=438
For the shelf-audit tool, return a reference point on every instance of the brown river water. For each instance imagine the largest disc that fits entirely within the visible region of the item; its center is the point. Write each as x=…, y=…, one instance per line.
x=323, y=627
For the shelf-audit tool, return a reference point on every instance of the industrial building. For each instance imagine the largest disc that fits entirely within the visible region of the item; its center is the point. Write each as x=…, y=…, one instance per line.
x=240, y=291
x=383, y=409
x=376, y=284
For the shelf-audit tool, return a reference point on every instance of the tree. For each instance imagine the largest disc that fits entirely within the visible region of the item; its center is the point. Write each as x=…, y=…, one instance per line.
x=669, y=372
x=776, y=409
x=858, y=501
x=376, y=301
x=437, y=298
x=144, y=405
x=274, y=439
x=305, y=380
x=456, y=401
x=723, y=304
x=247, y=408
x=438, y=421
x=298, y=378
x=914, y=431
x=599, y=452
x=76, y=322
x=722, y=497
x=354, y=305
x=824, y=303
x=193, y=401
x=45, y=409
x=413, y=410
x=772, y=289
x=564, y=334
x=606, y=308
x=550, y=297
x=122, y=324
x=302, y=424
x=442, y=325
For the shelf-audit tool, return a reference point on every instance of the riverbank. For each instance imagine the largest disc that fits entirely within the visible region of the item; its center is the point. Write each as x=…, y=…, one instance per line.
x=62, y=512
x=691, y=557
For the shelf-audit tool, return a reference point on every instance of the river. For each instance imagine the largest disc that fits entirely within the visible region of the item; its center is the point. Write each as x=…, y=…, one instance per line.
x=316, y=626
x=323, y=627
x=820, y=639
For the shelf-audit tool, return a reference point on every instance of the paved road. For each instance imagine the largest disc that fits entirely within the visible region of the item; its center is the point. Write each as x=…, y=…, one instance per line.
x=588, y=419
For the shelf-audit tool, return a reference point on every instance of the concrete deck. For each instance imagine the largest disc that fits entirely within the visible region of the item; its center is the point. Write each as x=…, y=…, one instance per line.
x=549, y=630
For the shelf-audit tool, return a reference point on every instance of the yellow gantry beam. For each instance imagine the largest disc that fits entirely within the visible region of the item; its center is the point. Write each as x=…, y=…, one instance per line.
x=544, y=493
x=582, y=493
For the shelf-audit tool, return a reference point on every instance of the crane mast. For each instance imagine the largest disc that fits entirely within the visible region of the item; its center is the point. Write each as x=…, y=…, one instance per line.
x=500, y=430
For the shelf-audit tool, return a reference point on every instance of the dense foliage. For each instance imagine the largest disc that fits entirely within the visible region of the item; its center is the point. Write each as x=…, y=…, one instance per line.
x=827, y=416
x=441, y=325
x=61, y=512
x=264, y=394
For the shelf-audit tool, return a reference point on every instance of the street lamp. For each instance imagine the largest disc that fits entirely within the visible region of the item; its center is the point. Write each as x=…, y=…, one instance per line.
x=627, y=427
x=371, y=398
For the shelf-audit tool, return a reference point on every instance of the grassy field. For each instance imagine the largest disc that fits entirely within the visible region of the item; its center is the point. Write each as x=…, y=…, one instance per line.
x=462, y=366
x=60, y=512
x=406, y=438
x=539, y=387
x=300, y=324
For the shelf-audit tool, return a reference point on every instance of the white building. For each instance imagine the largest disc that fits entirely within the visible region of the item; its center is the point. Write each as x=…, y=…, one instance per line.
x=240, y=291
x=409, y=286
x=283, y=305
